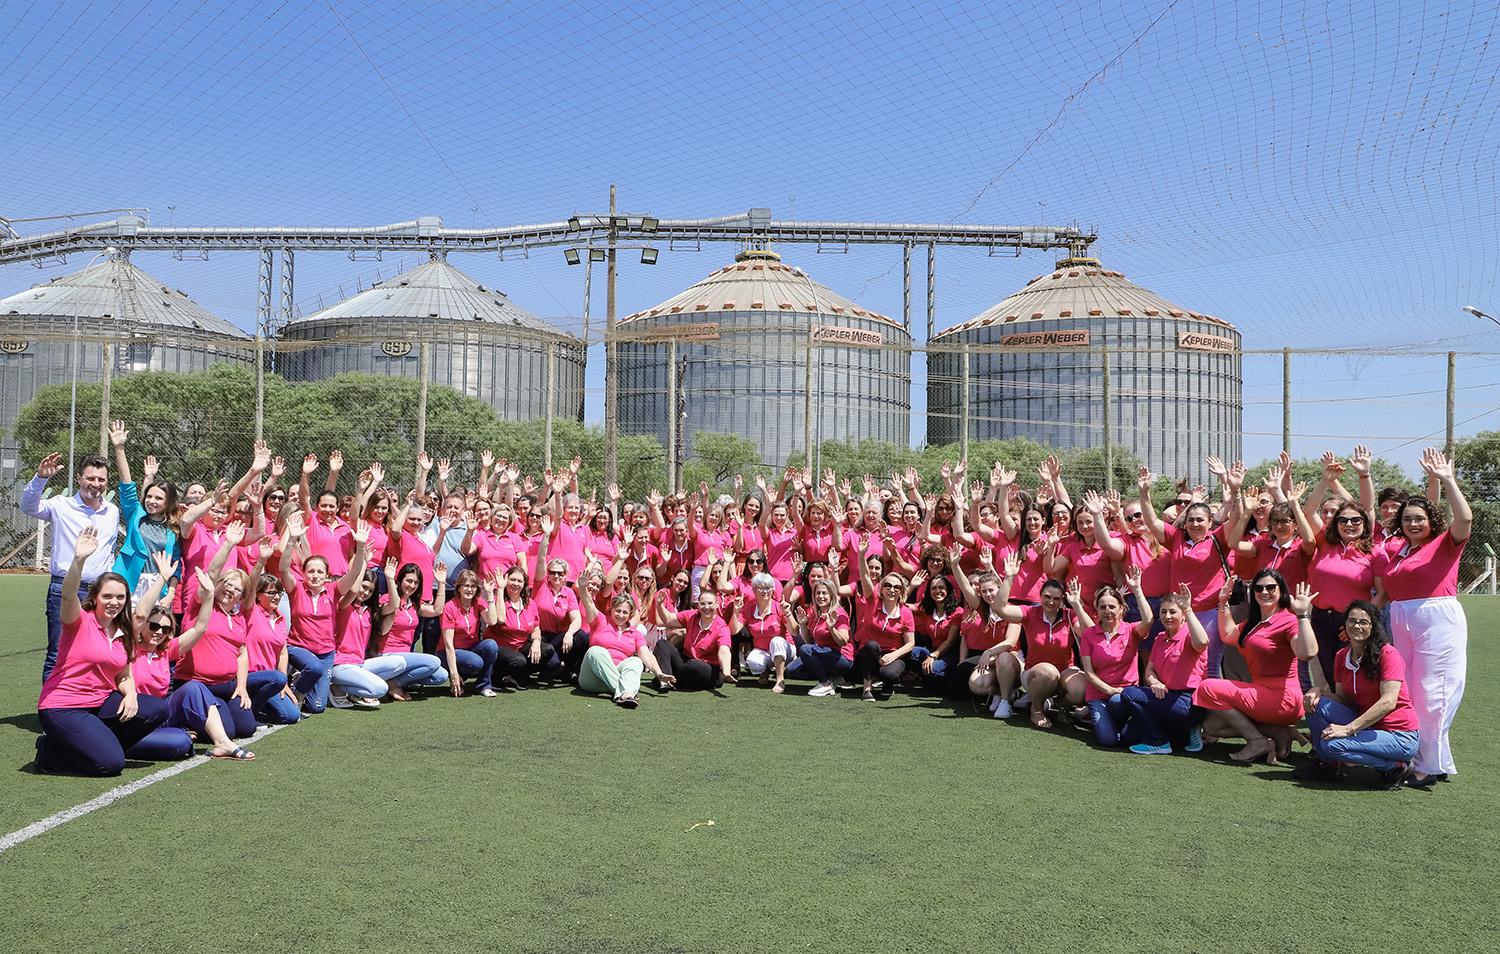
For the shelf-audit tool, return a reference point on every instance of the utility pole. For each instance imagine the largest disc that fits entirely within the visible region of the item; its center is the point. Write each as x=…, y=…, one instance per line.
x=1109, y=455
x=672, y=416
x=1452, y=375
x=611, y=368
x=1286, y=399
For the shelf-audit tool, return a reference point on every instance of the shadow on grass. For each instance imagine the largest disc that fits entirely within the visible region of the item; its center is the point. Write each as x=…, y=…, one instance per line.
x=24, y=720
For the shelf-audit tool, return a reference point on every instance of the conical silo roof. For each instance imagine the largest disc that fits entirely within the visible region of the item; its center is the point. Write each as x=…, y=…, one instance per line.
x=434, y=290
x=759, y=281
x=1080, y=289
x=114, y=289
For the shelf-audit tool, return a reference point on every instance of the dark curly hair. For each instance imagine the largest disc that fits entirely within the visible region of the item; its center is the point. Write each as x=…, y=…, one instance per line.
x=1437, y=521
x=1331, y=528
x=1379, y=638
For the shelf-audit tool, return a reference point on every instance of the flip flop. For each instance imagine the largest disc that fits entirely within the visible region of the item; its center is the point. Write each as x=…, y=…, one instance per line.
x=240, y=754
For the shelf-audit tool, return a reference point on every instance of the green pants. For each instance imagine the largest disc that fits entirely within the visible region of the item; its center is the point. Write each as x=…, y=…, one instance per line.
x=599, y=674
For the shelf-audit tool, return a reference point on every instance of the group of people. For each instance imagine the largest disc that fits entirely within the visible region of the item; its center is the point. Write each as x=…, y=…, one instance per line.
x=183, y=616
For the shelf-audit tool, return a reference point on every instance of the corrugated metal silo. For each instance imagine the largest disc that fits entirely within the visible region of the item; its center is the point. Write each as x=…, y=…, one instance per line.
x=743, y=335
x=153, y=327
x=482, y=344
x=1174, y=373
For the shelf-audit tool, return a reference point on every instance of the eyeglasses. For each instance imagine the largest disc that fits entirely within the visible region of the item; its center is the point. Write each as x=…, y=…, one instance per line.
x=754, y=561
x=160, y=627
x=1357, y=624
x=1350, y=520
x=1414, y=518
x=1265, y=587
x=890, y=586
x=272, y=498
x=557, y=572
x=1135, y=516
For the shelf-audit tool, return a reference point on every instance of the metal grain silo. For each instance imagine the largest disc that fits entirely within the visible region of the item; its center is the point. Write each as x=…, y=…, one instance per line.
x=48, y=328
x=743, y=335
x=481, y=344
x=1036, y=363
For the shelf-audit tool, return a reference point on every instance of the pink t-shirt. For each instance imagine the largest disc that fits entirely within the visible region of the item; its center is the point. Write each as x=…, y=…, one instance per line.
x=403, y=630
x=1363, y=691
x=513, y=627
x=328, y=542
x=1421, y=573
x=569, y=543
x=1115, y=657
x=465, y=623
x=1340, y=574
x=313, y=617
x=715, y=543
x=888, y=629
x=1027, y=585
x=1047, y=642
x=815, y=543
x=88, y=663
x=619, y=645
x=762, y=627
x=267, y=636
x=1177, y=662
x=214, y=658
x=1200, y=565
x=780, y=545
x=703, y=642
x=353, y=633
x=553, y=607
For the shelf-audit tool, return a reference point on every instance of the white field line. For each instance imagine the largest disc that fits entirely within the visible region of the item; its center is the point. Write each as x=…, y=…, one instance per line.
x=31, y=831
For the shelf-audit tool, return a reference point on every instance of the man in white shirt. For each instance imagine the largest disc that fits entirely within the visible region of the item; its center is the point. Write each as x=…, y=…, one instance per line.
x=68, y=516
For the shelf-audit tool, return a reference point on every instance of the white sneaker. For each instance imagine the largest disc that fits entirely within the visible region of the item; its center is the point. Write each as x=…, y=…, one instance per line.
x=488, y=693
x=1003, y=710
x=365, y=702
x=821, y=689
x=339, y=700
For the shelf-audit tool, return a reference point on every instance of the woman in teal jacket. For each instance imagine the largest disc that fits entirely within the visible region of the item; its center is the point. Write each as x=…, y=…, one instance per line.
x=149, y=518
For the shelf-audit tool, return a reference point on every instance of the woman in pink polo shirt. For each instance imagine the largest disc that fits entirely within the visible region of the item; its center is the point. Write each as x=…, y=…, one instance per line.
x=764, y=622
x=825, y=650
x=1089, y=553
x=89, y=709
x=1199, y=557
x=989, y=659
x=467, y=650
x=696, y=647
x=221, y=658
x=495, y=547
x=1276, y=633
x=313, y=600
x=1365, y=717
x=886, y=632
x=937, y=616
x=1340, y=569
x=1108, y=654
x=518, y=633
x=402, y=612
x=1048, y=642
x=1419, y=581
x=617, y=653
x=1162, y=708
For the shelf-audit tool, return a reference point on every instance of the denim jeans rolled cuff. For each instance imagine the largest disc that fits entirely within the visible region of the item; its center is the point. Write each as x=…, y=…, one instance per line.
x=1380, y=749
x=823, y=663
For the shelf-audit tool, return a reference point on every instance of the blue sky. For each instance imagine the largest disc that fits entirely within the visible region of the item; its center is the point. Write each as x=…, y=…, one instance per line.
x=1322, y=175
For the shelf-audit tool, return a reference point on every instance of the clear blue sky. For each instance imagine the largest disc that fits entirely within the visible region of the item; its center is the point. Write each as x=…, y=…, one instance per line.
x=1319, y=174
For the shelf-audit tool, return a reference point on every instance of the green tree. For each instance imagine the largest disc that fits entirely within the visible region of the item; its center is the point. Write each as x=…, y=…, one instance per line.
x=1477, y=464
x=719, y=458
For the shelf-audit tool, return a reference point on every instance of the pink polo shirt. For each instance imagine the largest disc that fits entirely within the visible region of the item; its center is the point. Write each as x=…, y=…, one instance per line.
x=716, y=543
x=1156, y=571
x=403, y=630
x=704, y=642
x=1340, y=574
x=553, y=607
x=1047, y=642
x=1177, y=662
x=780, y=545
x=674, y=556
x=406, y=547
x=762, y=627
x=815, y=543
x=1267, y=649
x=353, y=635
x=199, y=548
x=214, y=658
x=751, y=537
x=1115, y=656
x=937, y=628
x=328, y=542
x=822, y=634
x=88, y=662
x=495, y=552
x=1290, y=561
x=1363, y=692
x=312, y=617
x=1420, y=573
x=570, y=543
x=1027, y=585
x=152, y=672
x=619, y=645
x=465, y=623
x=888, y=629
x=1199, y=565
x=513, y=627
x=267, y=636
x=604, y=548
x=982, y=631
x=1091, y=565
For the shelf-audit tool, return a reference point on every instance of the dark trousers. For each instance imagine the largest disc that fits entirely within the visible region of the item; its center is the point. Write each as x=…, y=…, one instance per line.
x=93, y=741
x=692, y=674
x=516, y=663
x=822, y=663
x=1165, y=721
x=266, y=700
x=867, y=665
x=54, y=622
x=165, y=744
x=573, y=658
x=1112, y=726
x=239, y=722
x=430, y=630
x=1326, y=625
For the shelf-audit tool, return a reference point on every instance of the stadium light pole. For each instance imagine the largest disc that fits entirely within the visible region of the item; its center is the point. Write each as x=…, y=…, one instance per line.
x=1479, y=314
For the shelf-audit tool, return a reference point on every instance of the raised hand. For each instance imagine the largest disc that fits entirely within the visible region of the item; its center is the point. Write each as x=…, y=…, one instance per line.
x=336, y=460
x=1360, y=460
x=1093, y=503
x=49, y=466
x=87, y=543
x=424, y=462
x=149, y=469
x=1144, y=479
x=440, y=570
x=486, y=458
x=444, y=468
x=1012, y=563
x=1133, y=577
x=361, y=533
x=1215, y=466
x=165, y=565
x=262, y=458
x=547, y=523
x=575, y=463
x=1331, y=466
x=118, y=435
x=1074, y=590
x=1437, y=464
x=310, y=464
x=234, y=533
x=613, y=493
x=278, y=468
x=1186, y=593
x=1301, y=600
x=390, y=570
x=266, y=549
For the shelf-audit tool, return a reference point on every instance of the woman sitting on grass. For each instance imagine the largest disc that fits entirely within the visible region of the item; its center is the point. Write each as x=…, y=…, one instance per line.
x=1109, y=654
x=617, y=653
x=401, y=614
x=1162, y=709
x=989, y=658
x=825, y=650
x=696, y=647
x=1366, y=717
x=766, y=626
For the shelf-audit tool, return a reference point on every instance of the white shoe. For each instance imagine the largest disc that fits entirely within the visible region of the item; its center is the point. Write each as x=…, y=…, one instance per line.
x=365, y=702
x=1003, y=710
x=1023, y=701
x=488, y=693
x=339, y=700
x=821, y=689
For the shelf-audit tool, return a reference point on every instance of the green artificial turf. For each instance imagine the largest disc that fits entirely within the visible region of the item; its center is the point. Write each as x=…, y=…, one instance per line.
x=547, y=821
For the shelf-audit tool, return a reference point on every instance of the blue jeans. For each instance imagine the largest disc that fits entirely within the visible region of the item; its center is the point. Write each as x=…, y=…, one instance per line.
x=1210, y=620
x=1112, y=726
x=312, y=678
x=239, y=722
x=478, y=662
x=822, y=662
x=94, y=741
x=1377, y=748
x=421, y=670
x=266, y=700
x=54, y=623
x=1165, y=721
x=164, y=744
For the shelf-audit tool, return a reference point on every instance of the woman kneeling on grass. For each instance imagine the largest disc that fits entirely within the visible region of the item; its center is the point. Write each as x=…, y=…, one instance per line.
x=1109, y=654
x=1162, y=710
x=1366, y=718
x=1275, y=634
x=617, y=652
x=89, y=709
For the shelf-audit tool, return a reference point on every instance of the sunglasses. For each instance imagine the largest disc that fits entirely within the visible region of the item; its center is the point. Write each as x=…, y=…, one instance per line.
x=1350, y=520
x=276, y=497
x=1182, y=503
x=160, y=627
x=754, y=561
x=1135, y=516
x=1265, y=587
x=557, y=572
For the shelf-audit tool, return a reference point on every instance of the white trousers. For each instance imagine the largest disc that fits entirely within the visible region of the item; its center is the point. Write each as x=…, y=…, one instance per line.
x=1432, y=636
x=759, y=660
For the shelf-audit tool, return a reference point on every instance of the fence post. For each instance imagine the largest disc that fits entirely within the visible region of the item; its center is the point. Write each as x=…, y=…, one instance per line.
x=107, y=350
x=672, y=422
x=931, y=289
x=424, y=362
x=550, y=397
x=963, y=407
x=1286, y=399
x=807, y=402
x=1109, y=456
x=611, y=358
x=260, y=386
x=1452, y=375
x=906, y=286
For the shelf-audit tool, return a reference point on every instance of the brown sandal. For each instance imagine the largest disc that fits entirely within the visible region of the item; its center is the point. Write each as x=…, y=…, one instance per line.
x=1040, y=720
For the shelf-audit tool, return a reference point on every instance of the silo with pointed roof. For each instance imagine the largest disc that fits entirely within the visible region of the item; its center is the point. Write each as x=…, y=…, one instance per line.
x=743, y=336
x=1036, y=368
x=49, y=327
x=481, y=343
